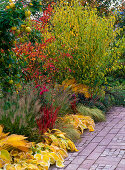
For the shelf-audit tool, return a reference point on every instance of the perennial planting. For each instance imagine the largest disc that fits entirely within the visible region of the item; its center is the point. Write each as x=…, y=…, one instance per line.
x=62, y=68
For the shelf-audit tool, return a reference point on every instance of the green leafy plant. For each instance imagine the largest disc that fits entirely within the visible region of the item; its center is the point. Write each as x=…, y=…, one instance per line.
x=14, y=26
x=18, y=111
x=94, y=113
x=87, y=38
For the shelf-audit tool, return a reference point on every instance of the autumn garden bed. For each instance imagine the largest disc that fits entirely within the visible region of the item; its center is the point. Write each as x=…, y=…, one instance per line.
x=61, y=70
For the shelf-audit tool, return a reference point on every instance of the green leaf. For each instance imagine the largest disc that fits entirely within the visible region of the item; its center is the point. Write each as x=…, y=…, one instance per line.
x=4, y=154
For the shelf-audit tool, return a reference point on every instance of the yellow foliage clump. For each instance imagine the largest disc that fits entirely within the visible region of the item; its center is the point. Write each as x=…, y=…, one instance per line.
x=41, y=155
x=80, y=122
x=77, y=88
x=8, y=143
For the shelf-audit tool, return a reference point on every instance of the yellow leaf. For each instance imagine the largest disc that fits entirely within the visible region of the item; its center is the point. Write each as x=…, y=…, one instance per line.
x=16, y=141
x=71, y=145
x=63, y=144
x=54, y=156
x=56, y=130
x=1, y=129
x=1, y=163
x=4, y=154
x=54, y=148
x=9, y=167
x=81, y=128
x=38, y=156
x=32, y=167
x=54, y=140
x=45, y=165
x=61, y=135
x=90, y=127
x=52, y=159
x=63, y=153
x=18, y=167
x=59, y=164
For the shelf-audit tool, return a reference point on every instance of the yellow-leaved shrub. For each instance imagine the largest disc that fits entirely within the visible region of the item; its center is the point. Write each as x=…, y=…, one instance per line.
x=87, y=37
x=77, y=88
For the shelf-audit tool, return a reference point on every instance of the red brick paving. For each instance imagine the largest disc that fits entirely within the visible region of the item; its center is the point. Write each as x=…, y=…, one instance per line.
x=103, y=149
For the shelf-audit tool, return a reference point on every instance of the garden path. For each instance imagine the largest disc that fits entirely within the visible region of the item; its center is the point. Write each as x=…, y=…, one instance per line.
x=103, y=149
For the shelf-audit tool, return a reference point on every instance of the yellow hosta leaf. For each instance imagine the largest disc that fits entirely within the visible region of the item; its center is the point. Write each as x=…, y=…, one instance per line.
x=60, y=157
x=63, y=153
x=4, y=154
x=55, y=140
x=44, y=152
x=54, y=156
x=54, y=148
x=63, y=144
x=71, y=145
x=56, y=130
x=91, y=128
x=18, y=167
x=60, y=135
x=38, y=156
x=76, y=121
x=32, y=167
x=45, y=165
x=2, y=135
x=81, y=128
x=9, y=167
x=59, y=164
x=52, y=159
x=46, y=158
x=23, y=148
x=68, y=82
x=16, y=141
x=47, y=139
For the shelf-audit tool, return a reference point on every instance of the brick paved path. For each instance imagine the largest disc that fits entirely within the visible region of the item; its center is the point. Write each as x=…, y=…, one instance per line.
x=103, y=149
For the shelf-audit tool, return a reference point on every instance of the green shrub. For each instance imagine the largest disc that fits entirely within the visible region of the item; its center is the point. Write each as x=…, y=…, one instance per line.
x=87, y=38
x=116, y=95
x=12, y=17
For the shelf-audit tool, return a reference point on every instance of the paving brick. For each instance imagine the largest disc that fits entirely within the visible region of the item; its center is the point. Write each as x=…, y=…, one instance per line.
x=114, y=122
x=67, y=162
x=72, y=166
x=87, y=164
x=114, y=130
x=122, y=163
x=108, y=160
x=104, y=132
x=79, y=159
x=82, y=169
x=90, y=147
x=99, y=149
x=108, y=138
x=97, y=139
x=119, y=168
x=94, y=155
x=116, y=146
